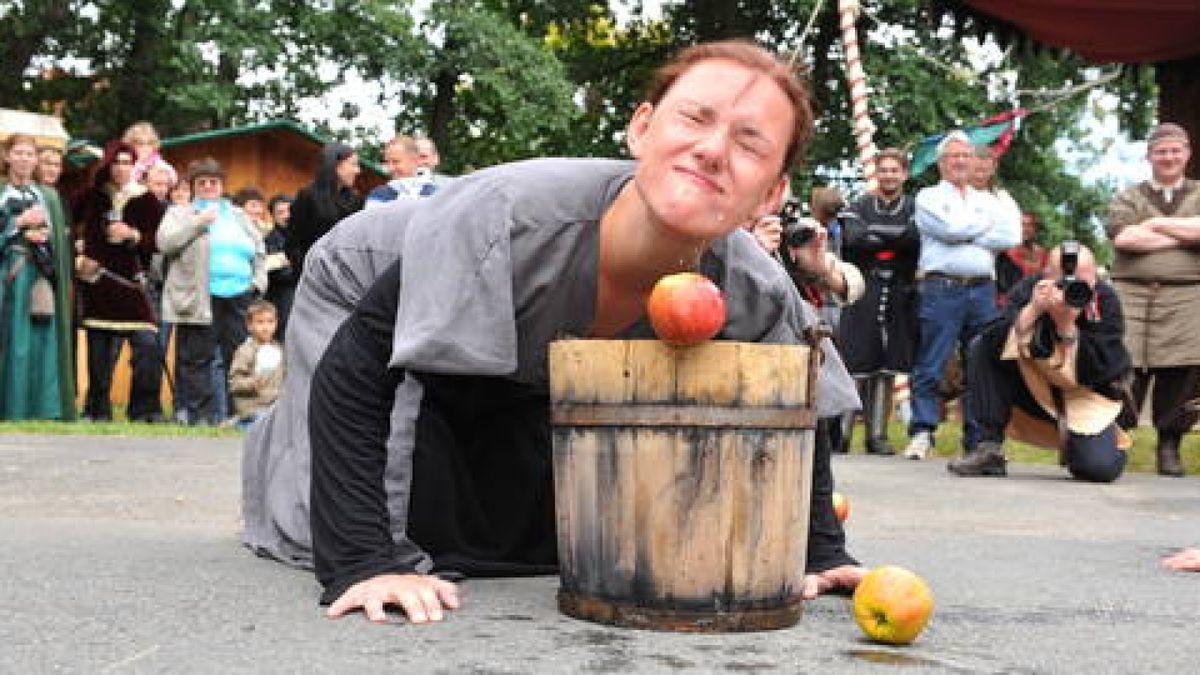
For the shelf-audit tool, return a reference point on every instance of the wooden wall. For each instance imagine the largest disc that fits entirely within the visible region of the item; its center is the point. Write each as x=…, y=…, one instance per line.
x=274, y=161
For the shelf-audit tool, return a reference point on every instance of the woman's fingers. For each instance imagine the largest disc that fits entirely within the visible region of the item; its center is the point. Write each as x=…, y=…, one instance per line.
x=373, y=608
x=448, y=592
x=423, y=598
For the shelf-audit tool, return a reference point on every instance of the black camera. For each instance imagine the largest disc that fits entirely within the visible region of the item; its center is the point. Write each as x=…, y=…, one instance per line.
x=1076, y=292
x=16, y=206
x=796, y=233
x=41, y=254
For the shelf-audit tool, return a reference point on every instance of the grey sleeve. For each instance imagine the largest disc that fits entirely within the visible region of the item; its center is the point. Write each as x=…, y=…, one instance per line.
x=455, y=311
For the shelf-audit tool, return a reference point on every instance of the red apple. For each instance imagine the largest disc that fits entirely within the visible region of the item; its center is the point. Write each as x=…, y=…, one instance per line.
x=686, y=308
x=892, y=605
x=841, y=506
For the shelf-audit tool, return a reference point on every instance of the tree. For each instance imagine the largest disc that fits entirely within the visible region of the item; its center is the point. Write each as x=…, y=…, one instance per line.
x=489, y=93
x=926, y=79
x=193, y=64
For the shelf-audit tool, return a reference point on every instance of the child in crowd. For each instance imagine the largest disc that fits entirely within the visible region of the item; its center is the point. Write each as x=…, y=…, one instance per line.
x=258, y=369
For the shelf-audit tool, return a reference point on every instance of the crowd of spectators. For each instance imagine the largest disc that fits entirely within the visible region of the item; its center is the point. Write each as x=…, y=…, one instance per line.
x=146, y=251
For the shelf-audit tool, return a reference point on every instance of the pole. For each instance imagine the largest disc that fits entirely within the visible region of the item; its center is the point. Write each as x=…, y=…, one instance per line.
x=864, y=130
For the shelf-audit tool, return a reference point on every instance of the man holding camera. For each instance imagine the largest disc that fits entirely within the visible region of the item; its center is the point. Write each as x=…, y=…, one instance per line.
x=1155, y=228
x=1050, y=373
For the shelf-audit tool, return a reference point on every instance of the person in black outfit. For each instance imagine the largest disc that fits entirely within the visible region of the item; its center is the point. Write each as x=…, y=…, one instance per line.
x=1052, y=372
x=281, y=276
x=148, y=350
x=321, y=204
x=878, y=334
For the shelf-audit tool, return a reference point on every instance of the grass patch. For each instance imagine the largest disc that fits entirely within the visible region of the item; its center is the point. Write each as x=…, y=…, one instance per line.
x=949, y=445
x=115, y=429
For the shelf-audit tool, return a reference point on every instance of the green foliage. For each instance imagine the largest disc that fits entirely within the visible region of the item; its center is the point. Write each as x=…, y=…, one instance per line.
x=196, y=64
x=494, y=94
x=496, y=80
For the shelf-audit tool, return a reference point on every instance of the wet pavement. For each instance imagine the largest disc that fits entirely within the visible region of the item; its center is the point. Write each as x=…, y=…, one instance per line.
x=120, y=555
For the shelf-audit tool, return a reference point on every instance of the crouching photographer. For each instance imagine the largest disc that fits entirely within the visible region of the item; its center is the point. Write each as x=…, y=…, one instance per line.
x=1051, y=373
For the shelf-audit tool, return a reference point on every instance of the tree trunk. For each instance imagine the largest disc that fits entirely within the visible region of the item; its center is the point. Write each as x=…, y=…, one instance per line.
x=441, y=111
x=134, y=97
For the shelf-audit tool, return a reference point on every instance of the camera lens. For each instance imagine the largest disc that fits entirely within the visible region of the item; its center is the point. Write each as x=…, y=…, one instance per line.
x=1077, y=293
x=800, y=236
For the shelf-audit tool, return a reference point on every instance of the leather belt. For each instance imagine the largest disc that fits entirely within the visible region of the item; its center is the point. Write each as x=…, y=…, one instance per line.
x=958, y=279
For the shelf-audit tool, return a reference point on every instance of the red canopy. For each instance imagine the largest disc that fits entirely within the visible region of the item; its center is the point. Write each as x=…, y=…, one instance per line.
x=1106, y=31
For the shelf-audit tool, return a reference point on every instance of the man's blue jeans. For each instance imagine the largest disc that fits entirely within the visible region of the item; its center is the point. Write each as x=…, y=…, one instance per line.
x=952, y=313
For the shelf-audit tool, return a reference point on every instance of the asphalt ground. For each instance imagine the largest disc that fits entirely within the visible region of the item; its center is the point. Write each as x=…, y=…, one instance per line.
x=120, y=555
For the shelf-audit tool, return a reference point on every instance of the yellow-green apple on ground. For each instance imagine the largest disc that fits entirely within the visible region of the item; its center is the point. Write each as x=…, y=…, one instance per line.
x=892, y=605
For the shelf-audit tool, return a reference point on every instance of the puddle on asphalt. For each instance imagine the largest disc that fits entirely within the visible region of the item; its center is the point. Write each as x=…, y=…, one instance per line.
x=889, y=658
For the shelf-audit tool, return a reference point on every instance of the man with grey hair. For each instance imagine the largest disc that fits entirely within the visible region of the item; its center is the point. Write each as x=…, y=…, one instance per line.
x=1155, y=228
x=962, y=229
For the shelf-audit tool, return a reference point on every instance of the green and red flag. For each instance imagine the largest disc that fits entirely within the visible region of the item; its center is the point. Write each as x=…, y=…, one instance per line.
x=996, y=131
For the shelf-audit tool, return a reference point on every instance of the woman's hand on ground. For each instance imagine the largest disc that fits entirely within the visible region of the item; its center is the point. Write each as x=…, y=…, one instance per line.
x=1187, y=560
x=422, y=597
x=845, y=577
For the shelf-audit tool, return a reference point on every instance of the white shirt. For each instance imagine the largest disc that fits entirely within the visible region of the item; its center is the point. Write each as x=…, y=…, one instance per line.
x=961, y=231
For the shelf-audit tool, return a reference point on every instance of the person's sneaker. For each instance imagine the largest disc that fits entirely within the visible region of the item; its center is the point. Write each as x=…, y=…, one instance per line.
x=919, y=445
x=987, y=459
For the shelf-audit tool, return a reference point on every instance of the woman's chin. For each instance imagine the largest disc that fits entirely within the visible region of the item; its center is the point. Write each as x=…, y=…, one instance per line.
x=692, y=224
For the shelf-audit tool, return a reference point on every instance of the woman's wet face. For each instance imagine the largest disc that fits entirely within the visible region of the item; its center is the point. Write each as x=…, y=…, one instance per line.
x=711, y=152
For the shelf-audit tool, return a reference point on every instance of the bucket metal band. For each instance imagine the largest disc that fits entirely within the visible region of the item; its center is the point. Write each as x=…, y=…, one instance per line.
x=707, y=416
x=628, y=615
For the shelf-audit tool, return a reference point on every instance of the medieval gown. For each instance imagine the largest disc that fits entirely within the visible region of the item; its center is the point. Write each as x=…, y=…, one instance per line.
x=36, y=376
x=440, y=312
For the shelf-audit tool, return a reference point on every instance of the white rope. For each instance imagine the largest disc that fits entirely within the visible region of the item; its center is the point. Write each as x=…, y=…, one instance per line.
x=864, y=129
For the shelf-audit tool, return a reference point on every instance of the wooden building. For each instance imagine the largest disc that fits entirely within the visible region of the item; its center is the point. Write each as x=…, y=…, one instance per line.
x=277, y=156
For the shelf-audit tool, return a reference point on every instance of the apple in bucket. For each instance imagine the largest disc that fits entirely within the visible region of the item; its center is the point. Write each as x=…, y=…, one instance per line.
x=892, y=605
x=686, y=308
x=841, y=506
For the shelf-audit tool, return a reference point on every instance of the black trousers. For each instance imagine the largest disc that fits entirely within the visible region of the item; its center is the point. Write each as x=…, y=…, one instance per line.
x=195, y=346
x=229, y=323
x=104, y=347
x=995, y=387
x=281, y=295
x=1170, y=389
x=482, y=501
x=145, y=388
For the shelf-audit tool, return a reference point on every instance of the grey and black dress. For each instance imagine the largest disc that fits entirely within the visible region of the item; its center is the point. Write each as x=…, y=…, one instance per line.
x=428, y=411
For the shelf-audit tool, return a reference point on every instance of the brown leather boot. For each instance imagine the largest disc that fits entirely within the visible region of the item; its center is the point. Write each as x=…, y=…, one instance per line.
x=987, y=459
x=1167, y=454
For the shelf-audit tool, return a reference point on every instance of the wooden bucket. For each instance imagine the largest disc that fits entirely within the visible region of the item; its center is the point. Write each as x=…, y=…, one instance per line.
x=682, y=482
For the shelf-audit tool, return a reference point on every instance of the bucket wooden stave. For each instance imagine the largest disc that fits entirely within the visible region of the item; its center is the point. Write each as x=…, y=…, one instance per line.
x=682, y=482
